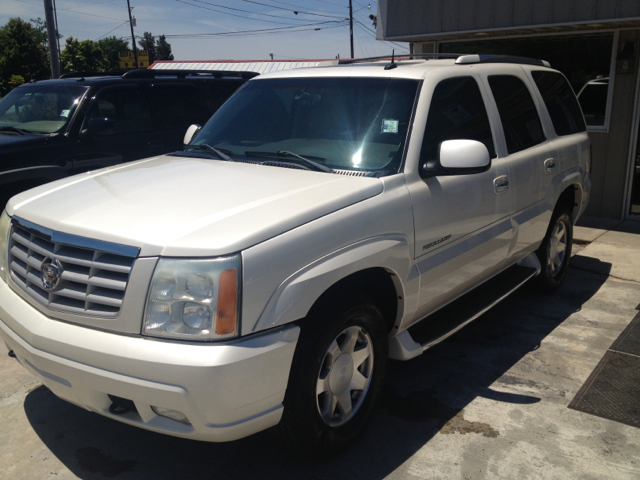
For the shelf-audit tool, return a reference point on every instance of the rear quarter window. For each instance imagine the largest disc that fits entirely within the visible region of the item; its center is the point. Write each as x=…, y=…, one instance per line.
x=561, y=102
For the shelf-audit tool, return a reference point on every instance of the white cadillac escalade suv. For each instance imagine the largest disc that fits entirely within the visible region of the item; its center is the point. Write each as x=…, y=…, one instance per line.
x=323, y=221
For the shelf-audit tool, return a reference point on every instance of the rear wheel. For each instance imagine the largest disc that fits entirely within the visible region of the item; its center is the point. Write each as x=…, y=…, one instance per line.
x=555, y=251
x=335, y=379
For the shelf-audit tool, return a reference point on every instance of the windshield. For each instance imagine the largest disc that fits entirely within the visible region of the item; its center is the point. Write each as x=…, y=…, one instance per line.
x=341, y=123
x=40, y=109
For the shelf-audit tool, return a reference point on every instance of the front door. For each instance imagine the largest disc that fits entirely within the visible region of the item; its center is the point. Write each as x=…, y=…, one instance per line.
x=462, y=222
x=132, y=132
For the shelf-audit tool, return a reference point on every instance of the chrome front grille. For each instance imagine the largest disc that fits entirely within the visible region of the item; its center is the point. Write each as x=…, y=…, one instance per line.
x=93, y=280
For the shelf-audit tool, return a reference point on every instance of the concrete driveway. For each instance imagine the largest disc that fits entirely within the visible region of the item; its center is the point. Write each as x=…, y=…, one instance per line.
x=490, y=402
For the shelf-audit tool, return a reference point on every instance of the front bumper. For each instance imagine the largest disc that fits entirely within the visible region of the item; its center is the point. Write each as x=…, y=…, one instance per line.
x=227, y=391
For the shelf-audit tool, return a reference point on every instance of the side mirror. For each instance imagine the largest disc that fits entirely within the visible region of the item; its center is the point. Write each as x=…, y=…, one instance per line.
x=99, y=126
x=192, y=131
x=458, y=157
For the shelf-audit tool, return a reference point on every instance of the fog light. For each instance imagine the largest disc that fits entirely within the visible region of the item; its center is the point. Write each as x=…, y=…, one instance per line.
x=173, y=414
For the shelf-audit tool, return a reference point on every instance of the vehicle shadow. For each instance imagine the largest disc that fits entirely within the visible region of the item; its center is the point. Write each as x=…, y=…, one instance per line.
x=422, y=397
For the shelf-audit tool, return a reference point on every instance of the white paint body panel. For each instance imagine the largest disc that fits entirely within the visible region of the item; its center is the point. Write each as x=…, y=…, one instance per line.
x=299, y=233
x=174, y=206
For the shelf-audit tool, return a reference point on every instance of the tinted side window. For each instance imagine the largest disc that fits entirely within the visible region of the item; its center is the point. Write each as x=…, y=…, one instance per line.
x=457, y=112
x=518, y=114
x=560, y=101
x=179, y=106
x=124, y=107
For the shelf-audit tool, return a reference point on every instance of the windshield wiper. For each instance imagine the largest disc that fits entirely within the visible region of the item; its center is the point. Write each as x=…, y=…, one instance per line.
x=223, y=154
x=13, y=129
x=286, y=156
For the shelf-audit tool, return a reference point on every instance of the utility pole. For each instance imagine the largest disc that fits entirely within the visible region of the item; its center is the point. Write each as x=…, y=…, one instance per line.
x=52, y=39
x=133, y=37
x=351, y=26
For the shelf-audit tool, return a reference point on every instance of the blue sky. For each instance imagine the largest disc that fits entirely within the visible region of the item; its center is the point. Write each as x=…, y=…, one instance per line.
x=227, y=24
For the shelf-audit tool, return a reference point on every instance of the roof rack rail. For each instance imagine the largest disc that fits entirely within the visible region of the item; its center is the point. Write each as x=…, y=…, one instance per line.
x=469, y=59
x=461, y=59
x=408, y=56
x=153, y=73
x=113, y=73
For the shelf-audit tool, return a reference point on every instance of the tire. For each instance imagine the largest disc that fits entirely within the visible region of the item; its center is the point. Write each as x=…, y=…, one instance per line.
x=339, y=363
x=555, y=251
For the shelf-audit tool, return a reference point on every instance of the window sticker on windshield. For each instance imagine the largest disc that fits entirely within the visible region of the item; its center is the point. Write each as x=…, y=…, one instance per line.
x=390, y=126
x=64, y=113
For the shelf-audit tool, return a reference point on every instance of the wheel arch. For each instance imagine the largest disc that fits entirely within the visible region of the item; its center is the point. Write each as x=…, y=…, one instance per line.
x=571, y=196
x=374, y=267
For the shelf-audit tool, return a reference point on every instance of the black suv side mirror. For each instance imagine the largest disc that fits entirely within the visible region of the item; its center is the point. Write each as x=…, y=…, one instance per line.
x=98, y=126
x=458, y=157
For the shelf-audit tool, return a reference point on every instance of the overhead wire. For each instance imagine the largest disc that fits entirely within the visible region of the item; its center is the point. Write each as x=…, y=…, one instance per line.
x=247, y=11
x=123, y=23
x=244, y=17
x=298, y=6
x=262, y=31
x=288, y=9
x=73, y=11
x=359, y=24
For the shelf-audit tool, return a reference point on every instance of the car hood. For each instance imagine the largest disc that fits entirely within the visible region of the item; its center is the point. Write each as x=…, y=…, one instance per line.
x=9, y=140
x=175, y=206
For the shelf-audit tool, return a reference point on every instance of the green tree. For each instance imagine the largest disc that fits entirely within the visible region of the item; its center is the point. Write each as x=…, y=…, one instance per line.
x=21, y=54
x=163, y=49
x=81, y=56
x=110, y=47
x=40, y=31
x=148, y=42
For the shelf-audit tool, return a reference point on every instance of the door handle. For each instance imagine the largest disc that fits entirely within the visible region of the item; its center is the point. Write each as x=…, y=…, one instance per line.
x=549, y=165
x=155, y=146
x=501, y=184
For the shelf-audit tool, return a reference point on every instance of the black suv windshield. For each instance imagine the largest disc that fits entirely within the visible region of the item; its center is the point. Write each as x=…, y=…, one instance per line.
x=41, y=109
x=342, y=123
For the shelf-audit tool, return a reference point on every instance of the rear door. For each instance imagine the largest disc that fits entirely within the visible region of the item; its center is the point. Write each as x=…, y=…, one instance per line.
x=523, y=146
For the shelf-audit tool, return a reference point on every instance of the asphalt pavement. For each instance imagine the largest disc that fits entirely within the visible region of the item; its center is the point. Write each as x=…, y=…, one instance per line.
x=491, y=402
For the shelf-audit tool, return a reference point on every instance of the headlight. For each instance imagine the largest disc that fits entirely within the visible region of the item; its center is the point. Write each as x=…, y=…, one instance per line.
x=5, y=227
x=194, y=299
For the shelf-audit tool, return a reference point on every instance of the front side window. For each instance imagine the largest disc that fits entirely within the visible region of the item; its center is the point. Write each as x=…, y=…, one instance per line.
x=40, y=109
x=457, y=112
x=124, y=108
x=518, y=114
x=342, y=123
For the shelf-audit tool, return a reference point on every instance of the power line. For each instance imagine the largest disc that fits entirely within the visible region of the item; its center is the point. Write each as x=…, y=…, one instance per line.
x=246, y=11
x=293, y=28
x=123, y=23
x=288, y=9
x=383, y=41
x=244, y=17
x=298, y=6
x=73, y=11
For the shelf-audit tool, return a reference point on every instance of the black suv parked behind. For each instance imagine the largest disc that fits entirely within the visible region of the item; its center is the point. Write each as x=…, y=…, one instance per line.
x=55, y=128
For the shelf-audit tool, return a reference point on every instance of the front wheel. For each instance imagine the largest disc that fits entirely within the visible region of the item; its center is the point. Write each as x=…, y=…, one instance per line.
x=555, y=251
x=335, y=379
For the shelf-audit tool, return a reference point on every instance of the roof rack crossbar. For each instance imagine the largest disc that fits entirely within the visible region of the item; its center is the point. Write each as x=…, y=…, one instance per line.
x=153, y=73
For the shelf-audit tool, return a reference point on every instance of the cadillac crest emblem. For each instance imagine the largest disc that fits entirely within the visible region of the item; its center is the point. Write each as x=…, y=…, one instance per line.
x=51, y=273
